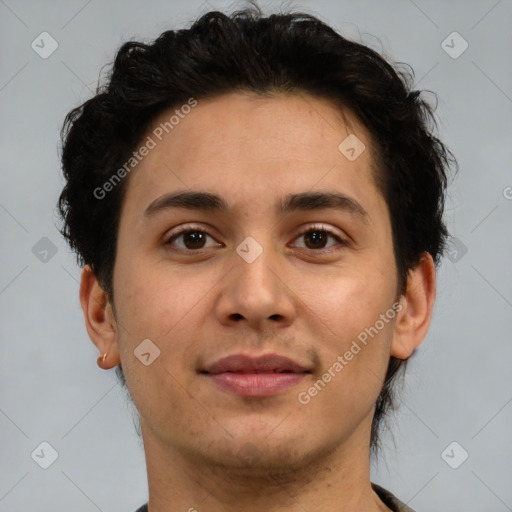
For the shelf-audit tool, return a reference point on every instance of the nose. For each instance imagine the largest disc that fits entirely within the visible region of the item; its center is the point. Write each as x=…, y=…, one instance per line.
x=255, y=293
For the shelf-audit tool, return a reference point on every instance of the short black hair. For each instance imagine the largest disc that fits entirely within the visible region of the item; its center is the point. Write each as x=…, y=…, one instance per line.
x=290, y=53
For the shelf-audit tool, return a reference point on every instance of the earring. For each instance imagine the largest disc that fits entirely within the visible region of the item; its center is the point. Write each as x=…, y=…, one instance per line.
x=102, y=359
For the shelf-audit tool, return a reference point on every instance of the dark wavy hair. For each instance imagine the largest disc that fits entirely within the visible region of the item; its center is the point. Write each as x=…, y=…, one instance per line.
x=246, y=51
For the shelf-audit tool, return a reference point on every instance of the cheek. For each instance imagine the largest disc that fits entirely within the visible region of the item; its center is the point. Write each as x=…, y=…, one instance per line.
x=355, y=350
x=355, y=340
x=350, y=303
x=167, y=309
x=152, y=303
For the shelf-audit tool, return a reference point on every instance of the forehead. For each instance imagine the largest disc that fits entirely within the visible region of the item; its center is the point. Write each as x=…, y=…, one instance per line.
x=245, y=146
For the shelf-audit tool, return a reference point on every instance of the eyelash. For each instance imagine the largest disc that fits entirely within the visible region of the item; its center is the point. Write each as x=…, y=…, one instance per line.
x=320, y=228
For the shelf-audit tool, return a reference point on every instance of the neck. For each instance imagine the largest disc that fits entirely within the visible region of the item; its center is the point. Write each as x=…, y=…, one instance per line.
x=335, y=480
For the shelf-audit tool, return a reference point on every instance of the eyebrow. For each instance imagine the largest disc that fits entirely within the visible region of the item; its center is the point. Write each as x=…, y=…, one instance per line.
x=305, y=201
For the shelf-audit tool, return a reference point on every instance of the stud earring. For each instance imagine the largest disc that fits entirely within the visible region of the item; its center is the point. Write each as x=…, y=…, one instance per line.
x=103, y=359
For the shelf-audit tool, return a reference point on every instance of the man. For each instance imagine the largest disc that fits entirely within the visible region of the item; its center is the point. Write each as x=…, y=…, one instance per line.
x=257, y=205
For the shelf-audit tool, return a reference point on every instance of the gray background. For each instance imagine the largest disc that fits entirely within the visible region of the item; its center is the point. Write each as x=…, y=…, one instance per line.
x=458, y=385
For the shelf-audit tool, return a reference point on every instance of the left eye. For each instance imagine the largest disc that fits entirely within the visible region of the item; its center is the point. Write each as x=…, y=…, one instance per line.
x=318, y=237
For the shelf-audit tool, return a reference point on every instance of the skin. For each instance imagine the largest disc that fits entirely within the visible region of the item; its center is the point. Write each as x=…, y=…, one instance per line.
x=209, y=449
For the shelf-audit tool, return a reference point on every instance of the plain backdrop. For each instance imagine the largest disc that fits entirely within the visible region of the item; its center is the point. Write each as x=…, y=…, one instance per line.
x=458, y=387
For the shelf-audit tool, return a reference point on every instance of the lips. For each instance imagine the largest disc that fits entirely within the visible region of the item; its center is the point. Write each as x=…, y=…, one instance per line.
x=255, y=376
x=241, y=363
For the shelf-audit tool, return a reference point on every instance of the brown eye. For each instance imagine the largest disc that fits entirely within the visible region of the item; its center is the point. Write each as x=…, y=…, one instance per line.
x=194, y=239
x=318, y=238
x=190, y=239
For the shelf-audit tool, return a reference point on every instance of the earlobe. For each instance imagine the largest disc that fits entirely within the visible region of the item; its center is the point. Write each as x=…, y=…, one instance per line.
x=413, y=320
x=99, y=319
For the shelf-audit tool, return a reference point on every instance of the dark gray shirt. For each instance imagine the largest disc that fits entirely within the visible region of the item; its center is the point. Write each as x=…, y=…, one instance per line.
x=389, y=500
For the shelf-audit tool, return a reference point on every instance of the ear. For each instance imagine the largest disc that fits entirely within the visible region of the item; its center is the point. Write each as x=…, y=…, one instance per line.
x=417, y=303
x=99, y=319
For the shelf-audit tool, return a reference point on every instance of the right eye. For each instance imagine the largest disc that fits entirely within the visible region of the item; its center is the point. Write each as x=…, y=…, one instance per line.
x=192, y=239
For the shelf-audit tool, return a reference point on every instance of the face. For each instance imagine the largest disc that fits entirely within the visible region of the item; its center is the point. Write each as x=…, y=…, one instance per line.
x=280, y=285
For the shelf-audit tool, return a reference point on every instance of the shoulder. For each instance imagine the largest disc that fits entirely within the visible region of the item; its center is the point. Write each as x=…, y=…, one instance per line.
x=389, y=499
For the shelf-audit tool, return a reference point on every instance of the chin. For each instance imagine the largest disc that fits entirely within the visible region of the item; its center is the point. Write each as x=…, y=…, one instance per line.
x=264, y=456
